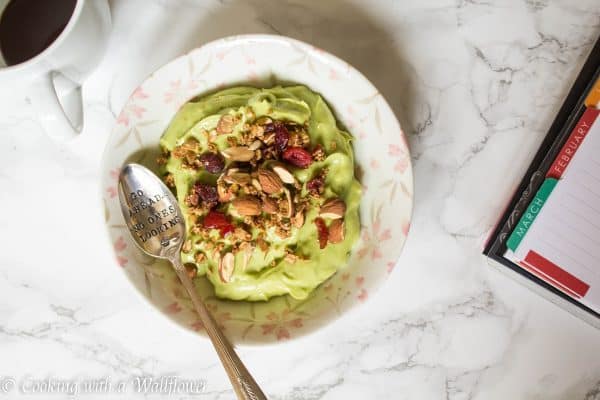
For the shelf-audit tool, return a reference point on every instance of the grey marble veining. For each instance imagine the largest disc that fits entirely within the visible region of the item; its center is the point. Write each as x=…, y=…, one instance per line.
x=475, y=85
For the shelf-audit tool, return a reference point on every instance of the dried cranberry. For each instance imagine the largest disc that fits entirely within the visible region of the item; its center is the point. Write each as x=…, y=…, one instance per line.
x=297, y=156
x=208, y=194
x=322, y=232
x=316, y=185
x=224, y=230
x=211, y=162
x=218, y=220
x=282, y=137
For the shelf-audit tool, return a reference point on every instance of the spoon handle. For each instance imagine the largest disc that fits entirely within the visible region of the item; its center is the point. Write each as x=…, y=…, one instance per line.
x=243, y=383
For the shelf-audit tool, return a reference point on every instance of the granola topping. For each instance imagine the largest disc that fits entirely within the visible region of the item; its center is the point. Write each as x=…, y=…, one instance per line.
x=259, y=197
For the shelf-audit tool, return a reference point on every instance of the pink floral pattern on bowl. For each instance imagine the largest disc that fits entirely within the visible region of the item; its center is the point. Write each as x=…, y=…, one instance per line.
x=381, y=154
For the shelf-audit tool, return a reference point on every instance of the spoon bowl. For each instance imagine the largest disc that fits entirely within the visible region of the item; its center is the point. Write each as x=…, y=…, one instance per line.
x=151, y=212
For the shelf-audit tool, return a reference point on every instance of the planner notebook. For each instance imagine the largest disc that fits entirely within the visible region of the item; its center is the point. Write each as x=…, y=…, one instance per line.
x=550, y=232
x=558, y=236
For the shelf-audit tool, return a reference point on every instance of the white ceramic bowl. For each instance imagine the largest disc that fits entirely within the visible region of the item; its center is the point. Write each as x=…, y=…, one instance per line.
x=383, y=167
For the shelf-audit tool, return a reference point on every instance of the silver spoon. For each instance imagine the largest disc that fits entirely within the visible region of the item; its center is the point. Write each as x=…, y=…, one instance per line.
x=158, y=228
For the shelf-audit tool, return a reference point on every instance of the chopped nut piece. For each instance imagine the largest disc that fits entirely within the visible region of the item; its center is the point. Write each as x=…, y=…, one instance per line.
x=225, y=124
x=269, y=206
x=298, y=219
x=270, y=181
x=191, y=270
x=187, y=246
x=257, y=144
x=239, y=153
x=257, y=130
x=264, y=120
x=199, y=257
x=247, y=206
x=336, y=231
x=170, y=180
x=318, y=153
x=291, y=258
x=285, y=175
x=333, y=208
x=191, y=200
x=262, y=244
x=256, y=185
x=226, y=266
x=232, y=141
x=290, y=205
x=224, y=194
x=241, y=178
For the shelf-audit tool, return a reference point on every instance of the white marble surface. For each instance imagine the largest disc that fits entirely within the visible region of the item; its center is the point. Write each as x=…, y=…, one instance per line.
x=475, y=85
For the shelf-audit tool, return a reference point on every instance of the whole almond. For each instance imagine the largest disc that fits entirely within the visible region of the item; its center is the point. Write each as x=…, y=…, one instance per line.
x=336, y=231
x=238, y=153
x=333, y=209
x=226, y=266
x=225, y=124
x=285, y=175
x=269, y=206
x=270, y=182
x=247, y=206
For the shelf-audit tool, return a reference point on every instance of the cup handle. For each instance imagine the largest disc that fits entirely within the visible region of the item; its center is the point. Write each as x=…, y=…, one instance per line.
x=50, y=112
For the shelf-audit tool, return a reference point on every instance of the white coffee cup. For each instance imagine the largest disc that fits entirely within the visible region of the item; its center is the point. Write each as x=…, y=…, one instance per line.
x=68, y=59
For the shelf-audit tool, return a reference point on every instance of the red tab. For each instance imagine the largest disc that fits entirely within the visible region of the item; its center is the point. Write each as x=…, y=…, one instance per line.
x=572, y=144
x=565, y=280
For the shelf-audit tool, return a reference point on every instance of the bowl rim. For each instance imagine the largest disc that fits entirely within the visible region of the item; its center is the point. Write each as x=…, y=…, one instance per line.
x=240, y=40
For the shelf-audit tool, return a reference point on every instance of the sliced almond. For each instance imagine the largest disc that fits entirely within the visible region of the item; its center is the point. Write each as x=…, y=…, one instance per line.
x=238, y=153
x=285, y=175
x=187, y=246
x=247, y=206
x=269, y=206
x=224, y=195
x=269, y=139
x=290, y=205
x=263, y=120
x=256, y=184
x=255, y=145
x=226, y=266
x=298, y=219
x=262, y=245
x=246, y=255
x=333, y=209
x=270, y=182
x=336, y=231
x=241, y=178
x=225, y=124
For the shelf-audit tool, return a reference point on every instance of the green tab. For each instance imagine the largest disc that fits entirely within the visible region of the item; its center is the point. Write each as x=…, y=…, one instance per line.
x=531, y=213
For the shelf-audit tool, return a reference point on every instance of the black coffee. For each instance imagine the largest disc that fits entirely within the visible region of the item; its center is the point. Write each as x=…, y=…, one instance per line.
x=27, y=27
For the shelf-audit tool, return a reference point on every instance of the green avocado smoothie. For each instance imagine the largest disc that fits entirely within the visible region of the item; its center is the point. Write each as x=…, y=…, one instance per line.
x=265, y=179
